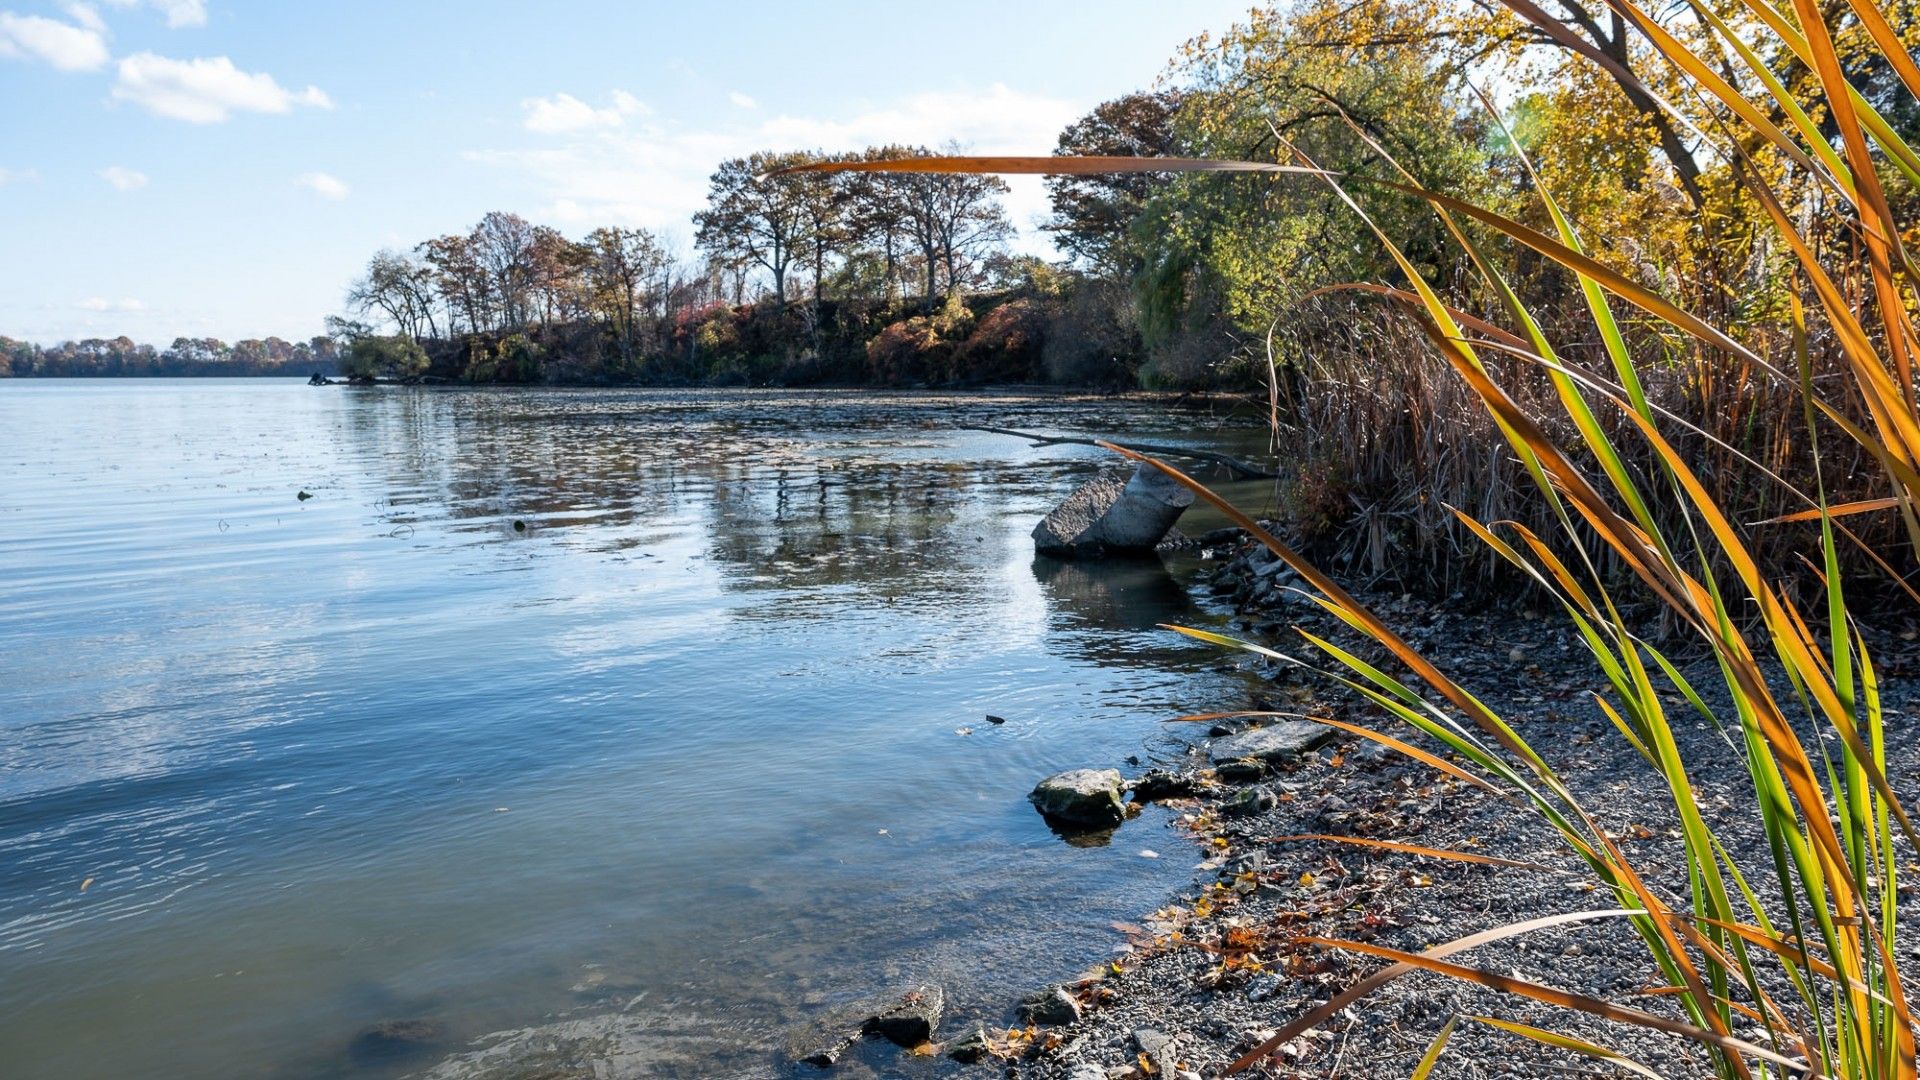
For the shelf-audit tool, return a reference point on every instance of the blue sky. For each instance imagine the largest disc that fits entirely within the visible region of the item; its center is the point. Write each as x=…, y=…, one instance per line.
x=222, y=169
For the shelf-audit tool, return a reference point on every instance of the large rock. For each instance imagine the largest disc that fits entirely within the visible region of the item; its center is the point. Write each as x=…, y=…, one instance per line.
x=1111, y=514
x=911, y=1020
x=1275, y=744
x=1088, y=797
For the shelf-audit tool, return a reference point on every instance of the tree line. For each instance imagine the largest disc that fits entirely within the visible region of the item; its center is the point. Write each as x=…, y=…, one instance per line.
x=122, y=356
x=1181, y=281
x=792, y=278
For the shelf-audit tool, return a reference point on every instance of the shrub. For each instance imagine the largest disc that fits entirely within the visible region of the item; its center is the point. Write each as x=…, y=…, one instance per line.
x=1006, y=345
x=396, y=357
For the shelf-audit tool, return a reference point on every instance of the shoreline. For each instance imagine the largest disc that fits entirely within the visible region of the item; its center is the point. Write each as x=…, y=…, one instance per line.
x=1213, y=972
x=1216, y=967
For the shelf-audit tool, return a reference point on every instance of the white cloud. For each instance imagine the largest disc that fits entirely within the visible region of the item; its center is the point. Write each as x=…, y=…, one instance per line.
x=178, y=12
x=63, y=45
x=183, y=12
x=655, y=173
x=123, y=178
x=206, y=90
x=742, y=101
x=86, y=15
x=101, y=303
x=564, y=113
x=323, y=185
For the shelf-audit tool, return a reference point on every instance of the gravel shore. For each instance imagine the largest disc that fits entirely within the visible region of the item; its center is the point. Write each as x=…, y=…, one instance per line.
x=1216, y=970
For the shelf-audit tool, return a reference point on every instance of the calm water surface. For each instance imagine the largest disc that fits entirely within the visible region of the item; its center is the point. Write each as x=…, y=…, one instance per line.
x=668, y=766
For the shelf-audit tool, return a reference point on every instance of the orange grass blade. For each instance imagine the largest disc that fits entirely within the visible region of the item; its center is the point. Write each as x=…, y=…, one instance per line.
x=1558, y=998
x=1409, y=849
x=1406, y=748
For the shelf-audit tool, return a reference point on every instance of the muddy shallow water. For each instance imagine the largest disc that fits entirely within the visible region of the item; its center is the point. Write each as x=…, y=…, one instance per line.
x=578, y=705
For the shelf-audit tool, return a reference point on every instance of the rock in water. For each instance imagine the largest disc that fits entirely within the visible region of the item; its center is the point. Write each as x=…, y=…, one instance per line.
x=392, y=1041
x=911, y=1022
x=822, y=1042
x=1081, y=797
x=1275, y=744
x=974, y=1048
x=1109, y=514
x=907, y=1019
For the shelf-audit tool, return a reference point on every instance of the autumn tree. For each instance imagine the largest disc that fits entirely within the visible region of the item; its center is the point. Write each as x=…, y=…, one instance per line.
x=396, y=357
x=623, y=268
x=878, y=216
x=400, y=288
x=460, y=279
x=1092, y=215
x=556, y=277
x=954, y=220
x=1592, y=33
x=503, y=246
x=824, y=202
x=748, y=222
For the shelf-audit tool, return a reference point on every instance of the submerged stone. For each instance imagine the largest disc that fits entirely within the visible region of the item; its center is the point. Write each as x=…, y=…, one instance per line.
x=396, y=1040
x=904, y=1019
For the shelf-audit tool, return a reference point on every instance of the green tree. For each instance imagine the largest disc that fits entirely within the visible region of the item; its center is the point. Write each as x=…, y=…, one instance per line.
x=393, y=357
x=1234, y=254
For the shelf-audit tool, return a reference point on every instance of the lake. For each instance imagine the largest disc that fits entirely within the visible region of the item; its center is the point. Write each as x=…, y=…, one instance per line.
x=661, y=713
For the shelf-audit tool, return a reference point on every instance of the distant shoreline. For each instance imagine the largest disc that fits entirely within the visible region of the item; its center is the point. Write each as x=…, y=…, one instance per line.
x=1170, y=397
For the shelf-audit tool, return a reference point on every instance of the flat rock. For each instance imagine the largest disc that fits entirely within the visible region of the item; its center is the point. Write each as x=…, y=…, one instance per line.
x=1081, y=797
x=1240, y=771
x=822, y=1042
x=1158, y=1046
x=1275, y=744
